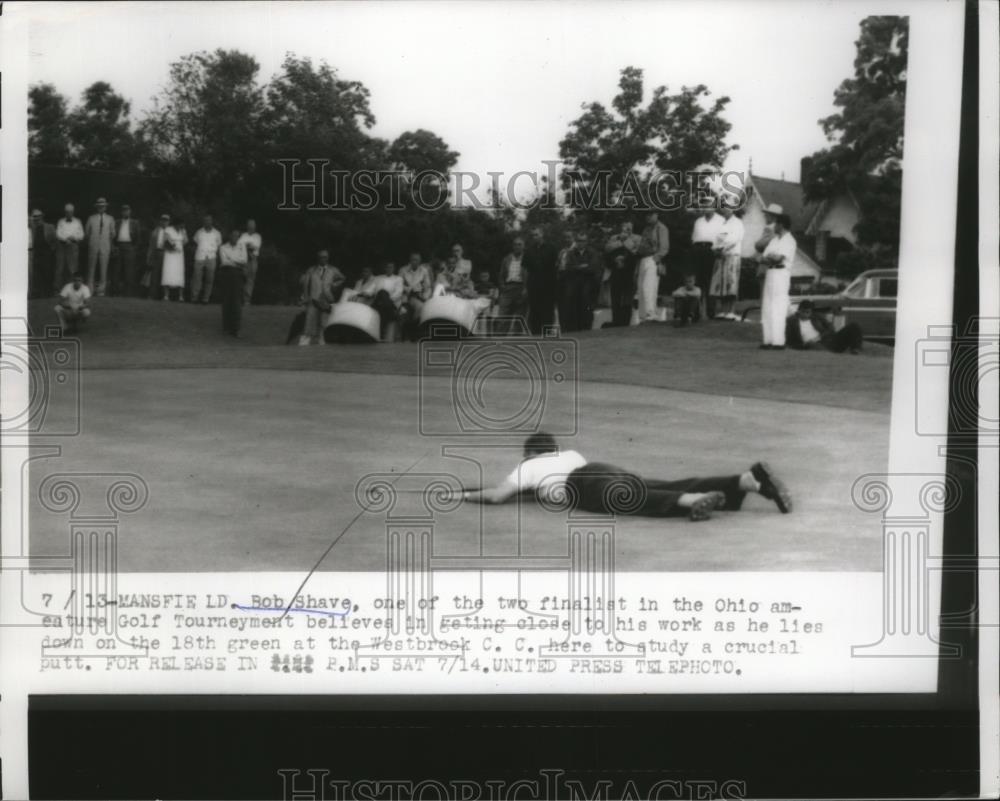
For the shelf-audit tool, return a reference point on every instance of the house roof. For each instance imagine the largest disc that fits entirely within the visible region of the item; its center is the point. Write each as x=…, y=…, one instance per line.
x=789, y=196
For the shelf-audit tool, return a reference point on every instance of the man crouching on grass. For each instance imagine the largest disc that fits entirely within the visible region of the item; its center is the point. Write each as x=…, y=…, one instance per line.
x=73, y=306
x=554, y=475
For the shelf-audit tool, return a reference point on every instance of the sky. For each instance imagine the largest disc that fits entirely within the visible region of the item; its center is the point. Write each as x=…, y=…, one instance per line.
x=498, y=81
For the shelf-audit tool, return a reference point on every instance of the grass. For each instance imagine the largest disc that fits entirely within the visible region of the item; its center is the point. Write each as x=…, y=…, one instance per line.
x=715, y=358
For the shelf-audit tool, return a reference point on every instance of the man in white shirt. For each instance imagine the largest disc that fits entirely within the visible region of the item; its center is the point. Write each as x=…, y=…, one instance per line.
x=565, y=479
x=778, y=257
x=251, y=241
x=100, y=232
x=207, y=241
x=73, y=306
x=69, y=235
x=232, y=274
x=701, y=259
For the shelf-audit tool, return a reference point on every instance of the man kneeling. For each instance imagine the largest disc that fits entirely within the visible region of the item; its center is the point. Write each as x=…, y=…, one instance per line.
x=554, y=475
x=73, y=309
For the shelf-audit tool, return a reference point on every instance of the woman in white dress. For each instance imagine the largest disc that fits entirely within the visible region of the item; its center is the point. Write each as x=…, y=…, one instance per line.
x=777, y=257
x=174, y=239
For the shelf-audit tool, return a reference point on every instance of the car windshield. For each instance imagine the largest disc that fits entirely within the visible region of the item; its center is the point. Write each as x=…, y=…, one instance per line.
x=857, y=288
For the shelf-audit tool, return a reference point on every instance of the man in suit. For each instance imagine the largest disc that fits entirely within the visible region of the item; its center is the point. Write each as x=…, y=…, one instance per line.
x=154, y=256
x=69, y=235
x=99, y=232
x=579, y=280
x=126, y=245
x=806, y=331
x=515, y=269
x=41, y=246
x=541, y=283
x=322, y=285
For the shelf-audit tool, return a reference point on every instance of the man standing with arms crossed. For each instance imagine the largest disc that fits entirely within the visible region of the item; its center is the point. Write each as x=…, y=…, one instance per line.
x=232, y=275
x=654, y=249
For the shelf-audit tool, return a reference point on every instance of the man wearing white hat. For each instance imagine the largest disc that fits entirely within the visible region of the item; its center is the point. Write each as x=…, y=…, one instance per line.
x=770, y=214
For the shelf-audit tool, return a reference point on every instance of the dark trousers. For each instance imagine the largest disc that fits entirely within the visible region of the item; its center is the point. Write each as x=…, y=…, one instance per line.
x=67, y=259
x=40, y=277
x=847, y=338
x=512, y=304
x=123, y=277
x=701, y=262
x=230, y=281
x=156, y=275
x=606, y=489
x=687, y=308
x=622, y=293
x=386, y=309
x=541, y=305
x=575, y=309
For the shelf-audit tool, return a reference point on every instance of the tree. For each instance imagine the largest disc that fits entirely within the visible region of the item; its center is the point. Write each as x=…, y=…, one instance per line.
x=610, y=155
x=100, y=131
x=865, y=157
x=205, y=127
x=48, y=141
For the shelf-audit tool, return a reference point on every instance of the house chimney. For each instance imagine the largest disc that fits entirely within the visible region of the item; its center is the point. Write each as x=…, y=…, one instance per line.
x=805, y=164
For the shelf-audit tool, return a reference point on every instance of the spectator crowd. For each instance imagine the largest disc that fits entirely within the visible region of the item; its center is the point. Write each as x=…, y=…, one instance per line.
x=579, y=282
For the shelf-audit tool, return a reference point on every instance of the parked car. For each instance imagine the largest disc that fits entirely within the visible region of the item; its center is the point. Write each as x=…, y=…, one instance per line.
x=869, y=300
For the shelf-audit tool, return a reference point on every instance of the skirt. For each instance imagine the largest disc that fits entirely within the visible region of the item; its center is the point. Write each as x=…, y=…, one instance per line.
x=726, y=277
x=173, y=268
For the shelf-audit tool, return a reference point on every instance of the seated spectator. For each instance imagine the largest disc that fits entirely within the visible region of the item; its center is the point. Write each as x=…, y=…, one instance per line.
x=461, y=280
x=687, y=301
x=73, y=306
x=441, y=278
x=388, y=297
x=805, y=331
x=485, y=287
x=364, y=288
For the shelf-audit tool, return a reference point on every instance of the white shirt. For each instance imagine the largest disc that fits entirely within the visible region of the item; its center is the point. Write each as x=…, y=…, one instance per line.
x=124, y=231
x=783, y=246
x=545, y=474
x=77, y=298
x=69, y=230
x=808, y=331
x=393, y=285
x=730, y=236
x=251, y=242
x=233, y=255
x=514, y=273
x=207, y=243
x=706, y=230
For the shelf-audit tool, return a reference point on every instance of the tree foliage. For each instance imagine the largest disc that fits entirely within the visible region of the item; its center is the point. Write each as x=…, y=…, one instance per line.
x=100, y=130
x=48, y=139
x=866, y=135
x=608, y=153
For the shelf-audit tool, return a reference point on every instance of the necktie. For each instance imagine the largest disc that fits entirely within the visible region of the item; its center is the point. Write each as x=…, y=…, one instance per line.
x=100, y=228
